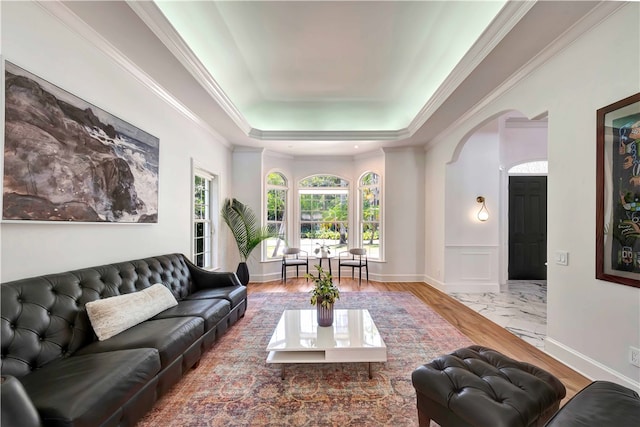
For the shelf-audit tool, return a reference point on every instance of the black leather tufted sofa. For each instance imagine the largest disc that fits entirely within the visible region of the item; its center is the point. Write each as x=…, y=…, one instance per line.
x=600, y=404
x=55, y=371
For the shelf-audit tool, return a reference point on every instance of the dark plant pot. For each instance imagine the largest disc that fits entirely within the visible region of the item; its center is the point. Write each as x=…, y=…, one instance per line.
x=325, y=314
x=243, y=273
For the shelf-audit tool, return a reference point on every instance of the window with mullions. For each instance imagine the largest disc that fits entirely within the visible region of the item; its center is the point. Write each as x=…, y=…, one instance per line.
x=277, y=188
x=324, y=212
x=370, y=198
x=202, y=224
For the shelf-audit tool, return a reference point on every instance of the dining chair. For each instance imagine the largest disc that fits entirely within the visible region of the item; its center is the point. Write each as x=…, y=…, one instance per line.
x=294, y=257
x=354, y=258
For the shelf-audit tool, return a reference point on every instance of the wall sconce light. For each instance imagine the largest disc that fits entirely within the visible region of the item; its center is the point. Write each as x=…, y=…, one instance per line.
x=483, y=213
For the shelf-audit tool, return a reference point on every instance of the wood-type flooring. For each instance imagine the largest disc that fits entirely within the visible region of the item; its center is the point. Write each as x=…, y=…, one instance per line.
x=478, y=328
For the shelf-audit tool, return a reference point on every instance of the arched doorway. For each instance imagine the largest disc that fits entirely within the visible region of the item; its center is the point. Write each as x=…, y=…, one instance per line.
x=520, y=150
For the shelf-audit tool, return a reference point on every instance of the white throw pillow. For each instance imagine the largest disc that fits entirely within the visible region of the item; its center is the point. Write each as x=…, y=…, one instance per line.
x=110, y=316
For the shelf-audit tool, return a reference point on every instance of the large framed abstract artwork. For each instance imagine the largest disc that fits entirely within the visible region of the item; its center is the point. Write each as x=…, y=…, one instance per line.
x=618, y=192
x=68, y=160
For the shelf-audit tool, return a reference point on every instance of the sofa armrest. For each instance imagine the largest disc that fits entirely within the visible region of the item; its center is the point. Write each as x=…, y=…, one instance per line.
x=17, y=408
x=601, y=403
x=204, y=279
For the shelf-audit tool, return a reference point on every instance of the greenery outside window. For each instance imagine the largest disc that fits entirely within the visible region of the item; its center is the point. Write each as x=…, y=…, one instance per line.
x=370, y=202
x=324, y=212
x=277, y=190
x=202, y=250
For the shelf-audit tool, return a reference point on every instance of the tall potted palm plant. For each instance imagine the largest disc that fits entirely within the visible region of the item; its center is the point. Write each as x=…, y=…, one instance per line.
x=246, y=231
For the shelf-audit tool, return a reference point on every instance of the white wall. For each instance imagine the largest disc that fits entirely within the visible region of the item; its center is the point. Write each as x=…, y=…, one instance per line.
x=472, y=251
x=521, y=144
x=591, y=323
x=404, y=201
x=38, y=42
x=403, y=206
x=247, y=188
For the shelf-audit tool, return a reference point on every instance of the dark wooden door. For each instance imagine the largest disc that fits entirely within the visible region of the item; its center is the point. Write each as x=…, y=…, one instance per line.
x=527, y=227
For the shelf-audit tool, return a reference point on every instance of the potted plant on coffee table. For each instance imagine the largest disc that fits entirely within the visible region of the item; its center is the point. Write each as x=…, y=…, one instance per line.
x=246, y=231
x=323, y=295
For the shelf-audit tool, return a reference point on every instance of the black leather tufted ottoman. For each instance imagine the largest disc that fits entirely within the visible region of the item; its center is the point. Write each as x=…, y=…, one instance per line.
x=479, y=387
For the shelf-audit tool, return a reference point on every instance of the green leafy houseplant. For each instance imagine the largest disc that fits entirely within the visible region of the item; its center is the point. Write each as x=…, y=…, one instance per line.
x=324, y=291
x=246, y=230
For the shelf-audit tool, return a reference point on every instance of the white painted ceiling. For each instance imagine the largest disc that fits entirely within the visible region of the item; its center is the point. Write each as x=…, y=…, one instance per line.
x=345, y=77
x=330, y=65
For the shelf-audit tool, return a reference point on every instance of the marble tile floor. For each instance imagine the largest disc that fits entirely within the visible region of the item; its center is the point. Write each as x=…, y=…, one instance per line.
x=521, y=308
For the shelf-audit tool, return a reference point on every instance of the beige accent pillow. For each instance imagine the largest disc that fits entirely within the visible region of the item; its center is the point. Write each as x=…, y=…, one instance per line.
x=110, y=316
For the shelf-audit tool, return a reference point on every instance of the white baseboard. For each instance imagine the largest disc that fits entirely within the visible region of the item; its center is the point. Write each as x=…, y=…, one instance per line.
x=434, y=282
x=462, y=287
x=395, y=277
x=588, y=367
x=467, y=287
x=269, y=277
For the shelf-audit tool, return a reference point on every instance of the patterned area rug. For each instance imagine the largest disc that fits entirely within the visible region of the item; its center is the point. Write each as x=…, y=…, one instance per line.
x=233, y=386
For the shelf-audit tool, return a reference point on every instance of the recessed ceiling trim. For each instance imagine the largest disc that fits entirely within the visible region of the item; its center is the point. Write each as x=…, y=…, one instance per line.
x=72, y=21
x=389, y=135
x=151, y=15
x=507, y=18
x=588, y=22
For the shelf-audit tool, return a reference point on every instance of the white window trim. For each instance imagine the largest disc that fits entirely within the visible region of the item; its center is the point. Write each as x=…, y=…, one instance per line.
x=359, y=220
x=287, y=210
x=214, y=204
x=348, y=190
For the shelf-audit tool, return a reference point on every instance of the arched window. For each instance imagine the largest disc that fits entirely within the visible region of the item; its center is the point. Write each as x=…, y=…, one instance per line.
x=540, y=167
x=324, y=212
x=369, y=195
x=277, y=189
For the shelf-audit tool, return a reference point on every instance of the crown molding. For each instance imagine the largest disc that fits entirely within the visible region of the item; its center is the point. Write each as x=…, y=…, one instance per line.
x=74, y=23
x=599, y=13
x=403, y=149
x=524, y=123
x=153, y=17
x=507, y=18
x=246, y=149
x=386, y=135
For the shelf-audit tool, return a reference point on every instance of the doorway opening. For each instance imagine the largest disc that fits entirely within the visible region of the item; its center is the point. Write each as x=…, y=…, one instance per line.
x=520, y=305
x=527, y=227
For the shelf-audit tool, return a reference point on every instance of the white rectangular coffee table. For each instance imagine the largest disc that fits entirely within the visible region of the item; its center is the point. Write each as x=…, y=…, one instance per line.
x=352, y=338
